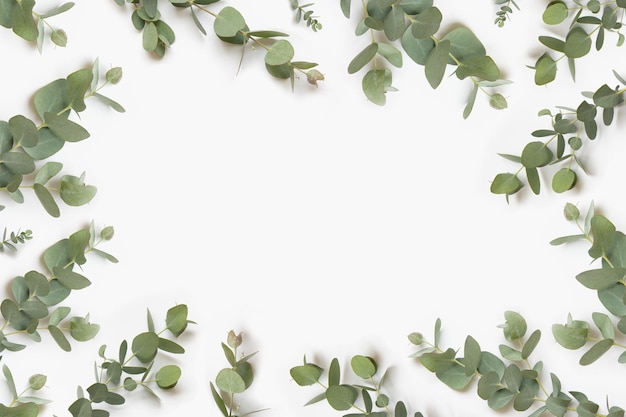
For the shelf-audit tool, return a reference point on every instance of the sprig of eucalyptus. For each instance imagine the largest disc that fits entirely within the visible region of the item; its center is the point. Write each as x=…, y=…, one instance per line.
x=235, y=379
x=507, y=379
x=502, y=15
x=568, y=128
x=609, y=281
x=14, y=238
x=19, y=15
x=29, y=310
x=416, y=24
x=586, y=19
x=366, y=398
x=24, y=403
x=229, y=26
x=306, y=15
x=25, y=142
x=135, y=368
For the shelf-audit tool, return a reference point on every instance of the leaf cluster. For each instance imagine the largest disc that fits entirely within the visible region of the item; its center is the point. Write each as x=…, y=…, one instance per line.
x=230, y=27
x=24, y=143
x=30, y=309
x=235, y=379
x=416, y=25
x=586, y=19
x=507, y=379
x=14, y=238
x=22, y=404
x=502, y=15
x=609, y=245
x=561, y=142
x=307, y=16
x=29, y=25
x=134, y=368
x=366, y=398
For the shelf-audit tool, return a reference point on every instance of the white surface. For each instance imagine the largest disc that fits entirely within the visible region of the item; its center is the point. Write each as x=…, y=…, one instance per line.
x=314, y=221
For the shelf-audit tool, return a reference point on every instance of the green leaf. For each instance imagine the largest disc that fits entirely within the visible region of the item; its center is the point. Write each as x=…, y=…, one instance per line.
x=230, y=381
x=24, y=131
x=307, y=374
x=170, y=346
x=598, y=279
x=612, y=298
x=426, y=24
x=607, y=97
x=48, y=145
x=70, y=279
x=334, y=372
x=391, y=54
x=436, y=361
x=555, y=13
x=176, y=319
x=18, y=162
x=363, y=58
x=59, y=338
x=603, y=232
x=514, y=327
x=488, y=384
x=29, y=409
x=363, y=366
x=545, y=69
x=228, y=22
x=375, y=85
x=47, y=171
x=417, y=49
x=82, y=330
x=145, y=346
x=436, y=63
x=150, y=37
x=531, y=344
x=167, y=377
x=281, y=52
x=536, y=154
x=74, y=192
x=596, y=351
x=46, y=200
x=553, y=43
x=394, y=23
x=506, y=183
x=604, y=324
x=563, y=180
x=341, y=397
x=77, y=85
x=463, y=44
x=577, y=43
x=22, y=20
x=472, y=355
x=454, y=376
x=65, y=129
x=58, y=315
x=479, y=66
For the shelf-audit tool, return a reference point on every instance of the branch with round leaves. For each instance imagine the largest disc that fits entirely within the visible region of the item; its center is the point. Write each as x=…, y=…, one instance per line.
x=20, y=16
x=502, y=15
x=24, y=142
x=34, y=305
x=609, y=281
x=306, y=16
x=416, y=24
x=14, y=238
x=230, y=27
x=365, y=398
x=133, y=367
x=24, y=403
x=584, y=20
x=235, y=379
x=568, y=128
x=506, y=380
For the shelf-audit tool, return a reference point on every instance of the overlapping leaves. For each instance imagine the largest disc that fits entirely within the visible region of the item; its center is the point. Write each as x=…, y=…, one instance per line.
x=416, y=25
x=34, y=304
x=563, y=142
x=365, y=399
x=587, y=22
x=24, y=144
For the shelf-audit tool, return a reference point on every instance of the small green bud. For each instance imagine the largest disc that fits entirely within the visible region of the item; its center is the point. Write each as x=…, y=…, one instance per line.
x=498, y=102
x=416, y=338
x=314, y=76
x=571, y=212
x=59, y=37
x=37, y=381
x=234, y=340
x=114, y=75
x=107, y=233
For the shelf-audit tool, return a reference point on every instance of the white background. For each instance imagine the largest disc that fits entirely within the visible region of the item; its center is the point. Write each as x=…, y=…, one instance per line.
x=313, y=221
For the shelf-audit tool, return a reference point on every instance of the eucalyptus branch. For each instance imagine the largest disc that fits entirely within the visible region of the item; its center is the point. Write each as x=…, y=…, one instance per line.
x=14, y=238
x=29, y=25
x=609, y=281
x=568, y=128
x=502, y=15
x=28, y=311
x=233, y=380
x=342, y=396
x=127, y=372
x=602, y=17
x=416, y=25
x=22, y=404
x=507, y=380
x=230, y=27
x=306, y=15
x=24, y=142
